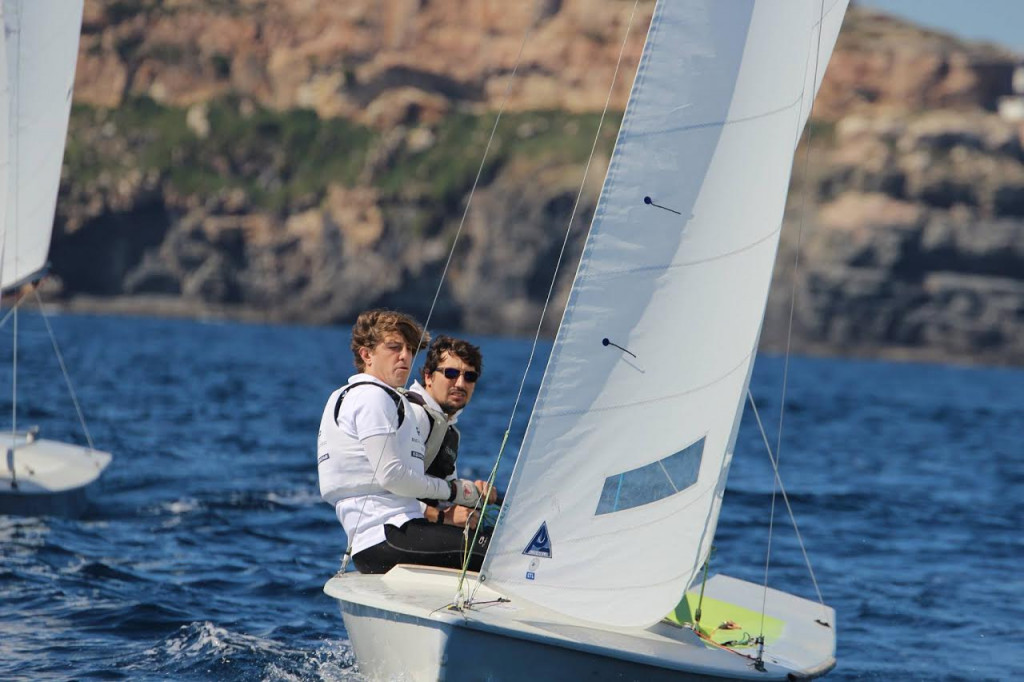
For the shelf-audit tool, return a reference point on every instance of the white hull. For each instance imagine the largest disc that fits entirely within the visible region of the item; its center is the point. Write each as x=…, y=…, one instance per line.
x=49, y=478
x=401, y=629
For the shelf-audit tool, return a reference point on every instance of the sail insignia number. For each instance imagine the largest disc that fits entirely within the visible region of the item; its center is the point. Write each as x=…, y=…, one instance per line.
x=540, y=544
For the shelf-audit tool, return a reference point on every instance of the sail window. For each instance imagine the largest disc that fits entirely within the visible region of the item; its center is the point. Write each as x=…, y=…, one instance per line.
x=652, y=482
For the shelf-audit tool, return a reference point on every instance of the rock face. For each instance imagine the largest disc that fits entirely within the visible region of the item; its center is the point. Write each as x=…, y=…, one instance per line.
x=305, y=159
x=367, y=60
x=918, y=241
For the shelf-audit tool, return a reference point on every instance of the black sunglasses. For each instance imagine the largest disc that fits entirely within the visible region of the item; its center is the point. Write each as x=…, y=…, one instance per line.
x=452, y=374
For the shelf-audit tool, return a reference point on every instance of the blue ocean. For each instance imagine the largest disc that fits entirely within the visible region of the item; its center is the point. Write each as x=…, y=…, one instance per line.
x=206, y=548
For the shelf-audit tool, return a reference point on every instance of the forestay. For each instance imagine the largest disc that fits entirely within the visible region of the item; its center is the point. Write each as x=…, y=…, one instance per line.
x=41, y=51
x=617, y=489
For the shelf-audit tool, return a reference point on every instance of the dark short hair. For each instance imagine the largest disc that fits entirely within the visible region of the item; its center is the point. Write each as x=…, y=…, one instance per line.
x=373, y=325
x=464, y=350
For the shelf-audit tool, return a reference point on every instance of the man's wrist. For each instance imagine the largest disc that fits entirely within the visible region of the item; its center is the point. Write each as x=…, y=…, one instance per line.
x=453, y=489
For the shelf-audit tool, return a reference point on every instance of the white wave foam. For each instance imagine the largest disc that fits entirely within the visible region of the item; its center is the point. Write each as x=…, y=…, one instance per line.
x=23, y=531
x=202, y=640
x=296, y=498
x=205, y=641
x=183, y=506
x=333, y=662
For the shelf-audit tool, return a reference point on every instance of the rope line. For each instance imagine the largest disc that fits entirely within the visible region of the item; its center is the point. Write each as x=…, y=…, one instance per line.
x=476, y=534
x=777, y=484
x=12, y=166
x=451, y=254
x=799, y=238
x=558, y=262
x=10, y=313
x=476, y=180
x=785, y=498
x=14, y=377
x=63, y=367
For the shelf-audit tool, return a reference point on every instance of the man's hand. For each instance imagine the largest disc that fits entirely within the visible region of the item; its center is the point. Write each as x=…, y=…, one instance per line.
x=463, y=516
x=481, y=486
x=464, y=492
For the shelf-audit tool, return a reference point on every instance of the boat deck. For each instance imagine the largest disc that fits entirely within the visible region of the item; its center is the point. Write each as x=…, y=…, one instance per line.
x=394, y=612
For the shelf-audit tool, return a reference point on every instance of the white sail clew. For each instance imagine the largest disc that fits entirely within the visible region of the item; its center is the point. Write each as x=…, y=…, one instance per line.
x=42, y=51
x=616, y=493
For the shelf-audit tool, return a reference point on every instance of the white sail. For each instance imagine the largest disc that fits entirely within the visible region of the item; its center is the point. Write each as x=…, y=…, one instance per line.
x=616, y=493
x=4, y=136
x=42, y=50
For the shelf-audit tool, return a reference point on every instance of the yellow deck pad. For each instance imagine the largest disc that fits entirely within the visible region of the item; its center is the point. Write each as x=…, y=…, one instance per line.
x=716, y=614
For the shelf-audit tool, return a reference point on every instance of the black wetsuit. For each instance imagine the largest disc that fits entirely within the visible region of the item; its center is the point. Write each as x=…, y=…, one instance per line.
x=421, y=542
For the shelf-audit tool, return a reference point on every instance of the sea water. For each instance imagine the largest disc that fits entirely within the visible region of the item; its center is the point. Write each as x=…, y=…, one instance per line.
x=206, y=549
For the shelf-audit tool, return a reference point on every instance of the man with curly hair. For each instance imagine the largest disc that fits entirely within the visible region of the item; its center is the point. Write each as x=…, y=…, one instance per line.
x=370, y=457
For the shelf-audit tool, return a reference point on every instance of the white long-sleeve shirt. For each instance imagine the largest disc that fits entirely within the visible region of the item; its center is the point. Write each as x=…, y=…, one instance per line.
x=369, y=467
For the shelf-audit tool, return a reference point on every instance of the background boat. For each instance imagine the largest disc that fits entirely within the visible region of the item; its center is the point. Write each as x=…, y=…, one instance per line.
x=40, y=44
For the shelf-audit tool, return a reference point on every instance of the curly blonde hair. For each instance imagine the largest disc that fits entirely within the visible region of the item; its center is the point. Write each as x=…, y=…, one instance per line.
x=373, y=325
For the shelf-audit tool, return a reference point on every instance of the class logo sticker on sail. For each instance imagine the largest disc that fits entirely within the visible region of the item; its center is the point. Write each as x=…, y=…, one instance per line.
x=540, y=545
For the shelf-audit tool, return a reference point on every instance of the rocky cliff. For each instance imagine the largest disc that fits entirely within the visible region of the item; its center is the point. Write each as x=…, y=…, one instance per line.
x=303, y=159
x=915, y=242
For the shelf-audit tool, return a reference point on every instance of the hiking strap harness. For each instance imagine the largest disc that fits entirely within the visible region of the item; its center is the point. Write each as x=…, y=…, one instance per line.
x=438, y=428
x=395, y=395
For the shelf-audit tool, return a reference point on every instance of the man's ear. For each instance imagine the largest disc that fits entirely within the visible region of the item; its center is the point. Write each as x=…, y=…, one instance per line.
x=365, y=354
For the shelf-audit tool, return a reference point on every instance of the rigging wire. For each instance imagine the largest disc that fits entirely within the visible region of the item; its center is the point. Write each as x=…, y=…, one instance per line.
x=63, y=367
x=14, y=379
x=777, y=481
x=451, y=253
x=799, y=236
x=554, y=276
x=12, y=169
x=785, y=498
x=479, y=172
x=10, y=313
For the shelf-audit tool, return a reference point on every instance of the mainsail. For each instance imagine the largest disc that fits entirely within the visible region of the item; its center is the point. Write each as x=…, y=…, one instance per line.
x=41, y=53
x=616, y=493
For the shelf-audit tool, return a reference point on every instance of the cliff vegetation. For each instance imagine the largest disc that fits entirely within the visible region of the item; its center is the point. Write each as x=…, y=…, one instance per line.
x=301, y=160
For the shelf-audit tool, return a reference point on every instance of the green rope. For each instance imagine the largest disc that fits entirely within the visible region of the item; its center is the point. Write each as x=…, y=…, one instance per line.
x=483, y=510
x=700, y=599
x=554, y=277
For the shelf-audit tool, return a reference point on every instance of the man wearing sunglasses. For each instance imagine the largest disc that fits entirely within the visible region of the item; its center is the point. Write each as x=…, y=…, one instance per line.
x=449, y=376
x=370, y=458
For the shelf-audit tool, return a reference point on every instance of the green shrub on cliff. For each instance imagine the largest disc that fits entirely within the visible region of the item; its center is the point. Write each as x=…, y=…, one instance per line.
x=285, y=160
x=278, y=159
x=445, y=170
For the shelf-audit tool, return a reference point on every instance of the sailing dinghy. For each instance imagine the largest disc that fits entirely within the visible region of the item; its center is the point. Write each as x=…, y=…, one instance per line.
x=38, y=477
x=609, y=517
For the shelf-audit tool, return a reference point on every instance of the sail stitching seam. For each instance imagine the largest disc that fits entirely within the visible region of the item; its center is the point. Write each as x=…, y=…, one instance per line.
x=658, y=399
x=700, y=261
x=730, y=121
x=611, y=175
